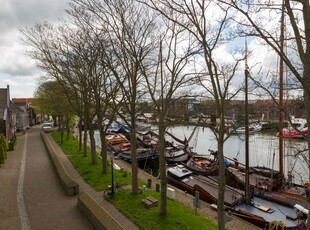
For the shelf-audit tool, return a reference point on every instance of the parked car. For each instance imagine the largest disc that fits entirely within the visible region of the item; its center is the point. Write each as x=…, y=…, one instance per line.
x=47, y=126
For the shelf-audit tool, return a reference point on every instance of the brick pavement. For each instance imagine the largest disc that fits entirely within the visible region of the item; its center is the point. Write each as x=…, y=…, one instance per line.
x=30, y=194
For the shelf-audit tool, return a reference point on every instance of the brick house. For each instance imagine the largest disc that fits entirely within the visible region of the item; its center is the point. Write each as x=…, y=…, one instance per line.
x=6, y=114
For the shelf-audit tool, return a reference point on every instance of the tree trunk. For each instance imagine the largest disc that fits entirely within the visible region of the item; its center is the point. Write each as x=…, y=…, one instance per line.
x=162, y=166
x=103, y=151
x=222, y=179
x=92, y=145
x=85, y=140
x=61, y=125
x=80, y=133
x=68, y=127
x=134, y=163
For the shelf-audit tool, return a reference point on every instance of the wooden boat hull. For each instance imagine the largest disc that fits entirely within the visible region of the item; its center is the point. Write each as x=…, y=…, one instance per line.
x=289, y=196
x=201, y=165
x=142, y=154
x=206, y=186
x=208, y=190
x=236, y=178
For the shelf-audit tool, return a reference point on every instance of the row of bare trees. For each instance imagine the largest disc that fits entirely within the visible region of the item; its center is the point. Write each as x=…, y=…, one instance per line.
x=110, y=55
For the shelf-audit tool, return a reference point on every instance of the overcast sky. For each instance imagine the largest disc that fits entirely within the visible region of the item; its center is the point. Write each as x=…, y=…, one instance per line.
x=19, y=71
x=16, y=69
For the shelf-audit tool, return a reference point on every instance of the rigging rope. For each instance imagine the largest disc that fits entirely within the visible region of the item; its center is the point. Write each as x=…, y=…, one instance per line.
x=276, y=225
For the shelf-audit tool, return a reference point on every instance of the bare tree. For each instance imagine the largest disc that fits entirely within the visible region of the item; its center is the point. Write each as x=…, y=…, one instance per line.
x=128, y=26
x=64, y=55
x=103, y=86
x=209, y=25
x=167, y=80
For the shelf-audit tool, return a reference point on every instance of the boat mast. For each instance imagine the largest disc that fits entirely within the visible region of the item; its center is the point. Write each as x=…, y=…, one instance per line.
x=247, y=162
x=281, y=108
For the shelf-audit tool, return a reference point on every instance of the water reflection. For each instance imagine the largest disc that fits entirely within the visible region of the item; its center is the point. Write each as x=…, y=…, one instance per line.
x=263, y=148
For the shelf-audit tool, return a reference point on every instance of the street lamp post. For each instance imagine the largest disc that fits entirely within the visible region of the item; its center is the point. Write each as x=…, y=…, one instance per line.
x=112, y=188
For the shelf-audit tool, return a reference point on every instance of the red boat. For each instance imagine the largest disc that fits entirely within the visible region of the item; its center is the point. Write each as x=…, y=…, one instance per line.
x=297, y=128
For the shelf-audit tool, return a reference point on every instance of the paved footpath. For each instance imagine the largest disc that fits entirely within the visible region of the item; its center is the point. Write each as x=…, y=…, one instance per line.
x=30, y=194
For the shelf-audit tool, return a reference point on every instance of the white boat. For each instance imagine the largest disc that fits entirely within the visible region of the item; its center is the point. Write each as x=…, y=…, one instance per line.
x=175, y=154
x=253, y=128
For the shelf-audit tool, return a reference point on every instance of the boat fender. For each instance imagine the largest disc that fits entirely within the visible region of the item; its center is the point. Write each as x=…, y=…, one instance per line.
x=227, y=163
x=301, y=209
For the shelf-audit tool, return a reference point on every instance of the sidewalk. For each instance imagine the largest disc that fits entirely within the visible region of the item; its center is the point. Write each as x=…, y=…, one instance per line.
x=9, y=174
x=30, y=194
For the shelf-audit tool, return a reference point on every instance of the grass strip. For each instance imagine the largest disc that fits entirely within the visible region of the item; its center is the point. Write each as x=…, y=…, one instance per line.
x=179, y=216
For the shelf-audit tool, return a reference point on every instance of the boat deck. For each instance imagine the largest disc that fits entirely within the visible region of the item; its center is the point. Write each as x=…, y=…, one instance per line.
x=210, y=186
x=207, y=186
x=255, y=180
x=271, y=211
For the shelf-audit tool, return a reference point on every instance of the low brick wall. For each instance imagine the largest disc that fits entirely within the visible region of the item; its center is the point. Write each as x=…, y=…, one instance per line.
x=66, y=181
x=96, y=214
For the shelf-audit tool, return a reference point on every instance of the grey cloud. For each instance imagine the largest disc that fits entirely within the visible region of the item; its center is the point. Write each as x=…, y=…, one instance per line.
x=19, y=13
x=16, y=68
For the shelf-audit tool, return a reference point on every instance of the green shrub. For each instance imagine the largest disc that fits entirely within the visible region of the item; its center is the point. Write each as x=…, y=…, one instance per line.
x=11, y=145
x=125, y=174
x=2, y=155
x=13, y=139
x=3, y=144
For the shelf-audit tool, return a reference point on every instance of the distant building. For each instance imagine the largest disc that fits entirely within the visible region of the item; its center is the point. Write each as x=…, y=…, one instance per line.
x=7, y=125
x=23, y=118
x=184, y=106
x=267, y=109
x=29, y=118
x=18, y=114
x=270, y=108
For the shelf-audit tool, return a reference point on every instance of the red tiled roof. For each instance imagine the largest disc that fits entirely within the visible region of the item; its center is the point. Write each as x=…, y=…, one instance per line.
x=21, y=100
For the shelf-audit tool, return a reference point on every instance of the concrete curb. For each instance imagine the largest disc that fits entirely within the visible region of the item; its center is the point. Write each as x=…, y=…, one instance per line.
x=66, y=181
x=96, y=214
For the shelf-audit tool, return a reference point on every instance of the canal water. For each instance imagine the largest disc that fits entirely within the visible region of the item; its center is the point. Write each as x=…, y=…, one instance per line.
x=263, y=149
